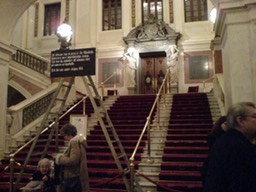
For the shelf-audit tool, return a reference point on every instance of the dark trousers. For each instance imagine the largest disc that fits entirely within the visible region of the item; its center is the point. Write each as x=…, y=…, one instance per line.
x=71, y=185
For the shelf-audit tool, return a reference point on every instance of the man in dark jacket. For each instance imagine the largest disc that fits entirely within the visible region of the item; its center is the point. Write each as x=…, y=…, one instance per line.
x=232, y=160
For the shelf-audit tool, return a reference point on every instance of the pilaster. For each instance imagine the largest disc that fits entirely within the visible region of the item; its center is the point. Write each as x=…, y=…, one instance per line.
x=5, y=55
x=235, y=34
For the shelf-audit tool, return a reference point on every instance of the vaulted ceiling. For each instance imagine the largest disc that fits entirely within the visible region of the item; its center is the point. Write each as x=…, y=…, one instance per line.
x=10, y=12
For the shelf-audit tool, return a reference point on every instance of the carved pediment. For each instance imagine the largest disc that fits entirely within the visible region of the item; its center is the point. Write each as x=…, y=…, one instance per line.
x=152, y=31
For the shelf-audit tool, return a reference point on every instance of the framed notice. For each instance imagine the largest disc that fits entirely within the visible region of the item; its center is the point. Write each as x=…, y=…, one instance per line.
x=80, y=122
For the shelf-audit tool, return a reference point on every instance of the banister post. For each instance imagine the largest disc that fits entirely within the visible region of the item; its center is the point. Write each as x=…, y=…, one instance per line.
x=158, y=112
x=132, y=174
x=114, y=83
x=84, y=112
x=11, y=172
x=102, y=90
x=164, y=90
x=148, y=133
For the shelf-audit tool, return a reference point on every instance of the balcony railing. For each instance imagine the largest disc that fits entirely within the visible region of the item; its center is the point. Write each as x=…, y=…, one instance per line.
x=32, y=61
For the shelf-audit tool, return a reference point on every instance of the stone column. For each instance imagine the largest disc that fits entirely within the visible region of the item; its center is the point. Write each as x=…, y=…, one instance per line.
x=235, y=28
x=5, y=53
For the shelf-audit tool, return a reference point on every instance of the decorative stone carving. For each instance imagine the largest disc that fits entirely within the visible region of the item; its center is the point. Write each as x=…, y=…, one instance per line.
x=152, y=30
x=171, y=55
x=130, y=60
x=151, y=36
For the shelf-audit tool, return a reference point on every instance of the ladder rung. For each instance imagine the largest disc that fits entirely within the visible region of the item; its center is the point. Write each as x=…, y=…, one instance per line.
x=65, y=85
x=108, y=126
x=60, y=99
x=53, y=113
x=115, y=141
x=126, y=171
x=121, y=156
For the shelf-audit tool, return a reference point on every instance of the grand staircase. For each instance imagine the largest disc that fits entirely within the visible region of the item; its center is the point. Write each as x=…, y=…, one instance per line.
x=184, y=143
x=57, y=144
x=185, y=146
x=128, y=115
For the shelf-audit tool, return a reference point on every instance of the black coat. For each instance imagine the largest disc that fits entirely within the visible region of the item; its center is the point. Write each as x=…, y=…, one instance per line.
x=49, y=185
x=231, y=164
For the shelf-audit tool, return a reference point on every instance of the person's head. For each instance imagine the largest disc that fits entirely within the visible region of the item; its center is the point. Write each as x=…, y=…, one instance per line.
x=242, y=116
x=44, y=166
x=221, y=123
x=68, y=131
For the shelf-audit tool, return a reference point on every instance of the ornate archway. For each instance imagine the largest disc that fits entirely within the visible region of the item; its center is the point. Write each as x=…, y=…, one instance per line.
x=150, y=38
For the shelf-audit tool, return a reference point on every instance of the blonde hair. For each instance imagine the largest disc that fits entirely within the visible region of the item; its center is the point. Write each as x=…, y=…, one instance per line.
x=44, y=160
x=50, y=164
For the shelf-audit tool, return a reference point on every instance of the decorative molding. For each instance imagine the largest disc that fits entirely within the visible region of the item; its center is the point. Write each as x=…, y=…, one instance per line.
x=67, y=10
x=36, y=19
x=133, y=14
x=171, y=11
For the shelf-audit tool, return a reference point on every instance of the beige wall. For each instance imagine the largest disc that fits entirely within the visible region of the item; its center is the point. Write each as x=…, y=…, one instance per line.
x=235, y=29
x=85, y=19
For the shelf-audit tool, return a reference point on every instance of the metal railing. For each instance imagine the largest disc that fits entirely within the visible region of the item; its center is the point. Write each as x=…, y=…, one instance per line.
x=206, y=81
x=102, y=84
x=218, y=90
x=147, y=126
x=12, y=156
x=29, y=111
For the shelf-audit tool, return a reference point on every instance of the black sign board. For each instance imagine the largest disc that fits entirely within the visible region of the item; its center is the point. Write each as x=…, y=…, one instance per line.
x=70, y=63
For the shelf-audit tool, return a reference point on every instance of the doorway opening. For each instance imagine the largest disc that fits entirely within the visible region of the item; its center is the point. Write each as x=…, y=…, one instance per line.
x=152, y=71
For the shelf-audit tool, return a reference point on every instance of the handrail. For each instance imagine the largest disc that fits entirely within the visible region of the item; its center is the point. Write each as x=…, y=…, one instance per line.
x=219, y=92
x=147, y=128
x=218, y=89
x=108, y=78
x=70, y=109
x=12, y=155
x=102, y=83
x=210, y=79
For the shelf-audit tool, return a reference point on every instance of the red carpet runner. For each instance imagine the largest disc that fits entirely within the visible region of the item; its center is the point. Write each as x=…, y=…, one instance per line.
x=186, y=147
x=184, y=153
x=128, y=115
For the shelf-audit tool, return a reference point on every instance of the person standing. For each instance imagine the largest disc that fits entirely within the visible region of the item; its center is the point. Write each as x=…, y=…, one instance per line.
x=232, y=159
x=73, y=162
x=219, y=128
